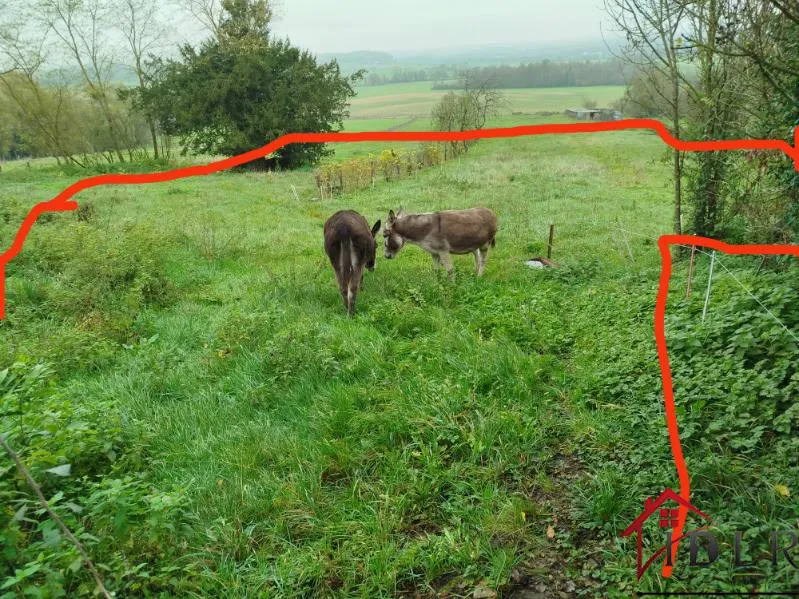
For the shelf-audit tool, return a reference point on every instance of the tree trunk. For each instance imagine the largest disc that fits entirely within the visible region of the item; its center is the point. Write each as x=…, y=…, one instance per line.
x=112, y=129
x=154, y=136
x=675, y=98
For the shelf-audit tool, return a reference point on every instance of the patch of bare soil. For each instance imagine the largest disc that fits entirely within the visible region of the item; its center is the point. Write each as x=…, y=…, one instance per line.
x=548, y=573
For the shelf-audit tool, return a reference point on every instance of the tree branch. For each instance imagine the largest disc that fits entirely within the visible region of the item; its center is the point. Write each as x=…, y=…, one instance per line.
x=78, y=545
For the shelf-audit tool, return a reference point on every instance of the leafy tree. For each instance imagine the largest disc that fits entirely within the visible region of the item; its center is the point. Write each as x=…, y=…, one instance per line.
x=748, y=82
x=468, y=109
x=652, y=29
x=241, y=90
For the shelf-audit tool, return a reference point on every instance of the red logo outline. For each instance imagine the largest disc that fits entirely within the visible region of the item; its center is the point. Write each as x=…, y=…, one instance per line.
x=650, y=507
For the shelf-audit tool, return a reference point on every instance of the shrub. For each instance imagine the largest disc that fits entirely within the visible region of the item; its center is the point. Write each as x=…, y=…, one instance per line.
x=100, y=280
x=390, y=165
x=67, y=444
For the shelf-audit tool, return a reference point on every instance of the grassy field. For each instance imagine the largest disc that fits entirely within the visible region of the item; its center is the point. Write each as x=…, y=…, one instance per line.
x=409, y=100
x=232, y=433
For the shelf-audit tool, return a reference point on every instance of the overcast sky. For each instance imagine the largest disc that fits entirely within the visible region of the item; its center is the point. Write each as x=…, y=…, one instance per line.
x=411, y=25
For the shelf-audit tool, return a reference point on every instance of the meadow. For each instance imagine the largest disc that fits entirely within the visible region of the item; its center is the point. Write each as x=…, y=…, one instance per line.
x=416, y=100
x=230, y=432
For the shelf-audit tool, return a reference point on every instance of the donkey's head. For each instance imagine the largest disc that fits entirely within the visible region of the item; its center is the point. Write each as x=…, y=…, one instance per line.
x=372, y=254
x=392, y=241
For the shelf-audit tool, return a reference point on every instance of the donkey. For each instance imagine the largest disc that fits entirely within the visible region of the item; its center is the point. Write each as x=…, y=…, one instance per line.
x=443, y=233
x=351, y=247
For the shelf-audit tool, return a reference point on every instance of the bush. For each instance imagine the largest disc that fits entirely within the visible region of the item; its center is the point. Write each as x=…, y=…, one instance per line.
x=390, y=165
x=100, y=280
x=67, y=444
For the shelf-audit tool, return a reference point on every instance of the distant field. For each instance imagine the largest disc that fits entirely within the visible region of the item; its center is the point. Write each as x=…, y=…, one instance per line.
x=407, y=100
x=407, y=106
x=352, y=150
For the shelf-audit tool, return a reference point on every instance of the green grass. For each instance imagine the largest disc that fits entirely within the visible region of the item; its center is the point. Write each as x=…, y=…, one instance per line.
x=408, y=100
x=426, y=444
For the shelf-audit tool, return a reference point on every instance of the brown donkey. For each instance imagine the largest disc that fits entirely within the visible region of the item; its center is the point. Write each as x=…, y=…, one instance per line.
x=351, y=247
x=443, y=233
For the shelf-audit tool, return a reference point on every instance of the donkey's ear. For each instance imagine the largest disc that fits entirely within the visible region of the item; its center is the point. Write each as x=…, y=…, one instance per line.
x=391, y=215
x=376, y=229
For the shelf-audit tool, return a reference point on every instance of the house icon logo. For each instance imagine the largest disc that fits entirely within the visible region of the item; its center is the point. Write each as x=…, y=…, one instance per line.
x=667, y=517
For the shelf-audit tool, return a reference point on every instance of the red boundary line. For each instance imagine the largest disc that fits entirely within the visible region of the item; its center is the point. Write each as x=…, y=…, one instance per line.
x=62, y=202
x=664, y=243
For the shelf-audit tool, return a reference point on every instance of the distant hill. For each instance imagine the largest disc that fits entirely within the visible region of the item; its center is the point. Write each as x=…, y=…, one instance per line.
x=442, y=65
x=476, y=55
x=363, y=58
x=510, y=53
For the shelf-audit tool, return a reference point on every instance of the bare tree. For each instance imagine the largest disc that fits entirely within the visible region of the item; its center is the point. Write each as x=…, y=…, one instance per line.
x=209, y=13
x=747, y=61
x=81, y=27
x=142, y=30
x=652, y=29
x=763, y=32
x=713, y=109
x=22, y=55
x=469, y=109
x=485, y=97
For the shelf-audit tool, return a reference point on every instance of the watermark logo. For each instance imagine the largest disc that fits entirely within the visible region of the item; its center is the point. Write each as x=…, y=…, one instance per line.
x=700, y=538
x=667, y=517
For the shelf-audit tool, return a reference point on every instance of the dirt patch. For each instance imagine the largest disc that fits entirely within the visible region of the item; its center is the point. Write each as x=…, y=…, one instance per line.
x=548, y=573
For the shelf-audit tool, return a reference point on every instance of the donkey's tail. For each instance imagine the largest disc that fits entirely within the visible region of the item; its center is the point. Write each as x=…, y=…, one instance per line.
x=344, y=260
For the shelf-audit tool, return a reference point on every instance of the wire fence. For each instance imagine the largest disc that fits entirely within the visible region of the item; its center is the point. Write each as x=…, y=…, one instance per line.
x=714, y=256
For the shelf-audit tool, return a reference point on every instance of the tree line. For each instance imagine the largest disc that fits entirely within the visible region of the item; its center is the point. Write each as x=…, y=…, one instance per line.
x=547, y=73
x=712, y=70
x=239, y=89
x=411, y=75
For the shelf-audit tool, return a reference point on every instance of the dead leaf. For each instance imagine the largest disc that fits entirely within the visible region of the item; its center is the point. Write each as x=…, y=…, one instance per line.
x=782, y=490
x=550, y=531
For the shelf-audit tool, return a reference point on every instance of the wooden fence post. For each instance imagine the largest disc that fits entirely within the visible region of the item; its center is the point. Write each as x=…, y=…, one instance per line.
x=549, y=245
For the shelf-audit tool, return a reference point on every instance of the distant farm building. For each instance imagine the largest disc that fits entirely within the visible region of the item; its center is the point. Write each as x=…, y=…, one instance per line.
x=593, y=114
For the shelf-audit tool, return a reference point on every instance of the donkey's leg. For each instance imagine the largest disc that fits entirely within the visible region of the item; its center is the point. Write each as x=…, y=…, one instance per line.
x=477, y=260
x=436, y=262
x=343, y=284
x=352, y=289
x=341, y=280
x=481, y=264
x=447, y=262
